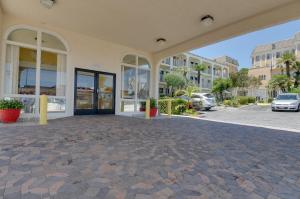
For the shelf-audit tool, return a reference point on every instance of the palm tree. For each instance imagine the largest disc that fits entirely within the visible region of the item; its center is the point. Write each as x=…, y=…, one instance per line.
x=287, y=59
x=296, y=67
x=200, y=68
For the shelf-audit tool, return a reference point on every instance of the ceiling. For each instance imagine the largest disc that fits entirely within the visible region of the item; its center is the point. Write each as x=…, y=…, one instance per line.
x=138, y=23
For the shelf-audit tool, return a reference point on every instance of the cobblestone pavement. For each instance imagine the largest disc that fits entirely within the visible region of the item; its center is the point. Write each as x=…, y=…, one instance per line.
x=256, y=115
x=112, y=157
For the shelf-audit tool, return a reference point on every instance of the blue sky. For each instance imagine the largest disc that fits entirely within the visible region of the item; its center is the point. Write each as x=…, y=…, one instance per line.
x=241, y=47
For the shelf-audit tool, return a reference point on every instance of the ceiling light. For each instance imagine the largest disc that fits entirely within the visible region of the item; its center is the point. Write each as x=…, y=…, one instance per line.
x=207, y=20
x=47, y=3
x=161, y=41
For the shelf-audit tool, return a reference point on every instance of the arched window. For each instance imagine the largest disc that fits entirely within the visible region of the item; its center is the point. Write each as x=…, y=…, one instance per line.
x=135, y=82
x=35, y=64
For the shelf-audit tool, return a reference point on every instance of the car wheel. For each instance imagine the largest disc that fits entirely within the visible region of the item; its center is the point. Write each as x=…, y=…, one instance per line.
x=207, y=109
x=298, y=108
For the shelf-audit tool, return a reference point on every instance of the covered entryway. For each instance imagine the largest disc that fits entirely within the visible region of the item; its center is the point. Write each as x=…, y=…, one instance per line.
x=94, y=92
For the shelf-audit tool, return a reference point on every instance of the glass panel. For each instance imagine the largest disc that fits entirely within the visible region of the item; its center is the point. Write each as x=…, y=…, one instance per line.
x=127, y=106
x=53, y=74
x=28, y=102
x=129, y=82
x=85, y=90
x=143, y=63
x=129, y=59
x=56, y=105
x=51, y=41
x=143, y=84
x=106, y=92
x=20, y=70
x=23, y=36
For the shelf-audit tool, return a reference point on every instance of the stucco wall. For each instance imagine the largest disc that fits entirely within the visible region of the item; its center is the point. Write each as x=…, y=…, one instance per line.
x=88, y=53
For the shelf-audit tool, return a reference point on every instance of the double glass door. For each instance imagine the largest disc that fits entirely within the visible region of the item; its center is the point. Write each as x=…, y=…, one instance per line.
x=94, y=92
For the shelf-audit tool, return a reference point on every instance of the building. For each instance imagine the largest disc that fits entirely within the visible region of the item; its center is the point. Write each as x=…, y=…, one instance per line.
x=265, y=61
x=215, y=70
x=99, y=57
x=232, y=64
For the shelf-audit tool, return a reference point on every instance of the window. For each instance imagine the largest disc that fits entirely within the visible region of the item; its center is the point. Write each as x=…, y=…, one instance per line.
x=257, y=58
x=22, y=69
x=268, y=56
x=161, y=90
x=278, y=54
x=135, y=82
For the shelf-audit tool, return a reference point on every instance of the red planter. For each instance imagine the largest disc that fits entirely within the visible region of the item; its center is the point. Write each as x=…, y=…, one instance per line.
x=153, y=112
x=9, y=115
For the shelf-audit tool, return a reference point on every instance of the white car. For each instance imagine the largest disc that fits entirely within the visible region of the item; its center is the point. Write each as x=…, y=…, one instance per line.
x=208, y=100
x=286, y=102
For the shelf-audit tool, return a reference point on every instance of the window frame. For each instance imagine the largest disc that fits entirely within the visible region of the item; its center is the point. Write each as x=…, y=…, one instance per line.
x=135, y=100
x=38, y=47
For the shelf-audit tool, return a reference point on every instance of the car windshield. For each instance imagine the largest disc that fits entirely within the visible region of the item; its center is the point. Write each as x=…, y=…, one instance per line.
x=287, y=97
x=209, y=95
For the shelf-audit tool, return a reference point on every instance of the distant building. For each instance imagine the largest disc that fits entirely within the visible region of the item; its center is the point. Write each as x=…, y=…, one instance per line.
x=232, y=63
x=216, y=69
x=265, y=60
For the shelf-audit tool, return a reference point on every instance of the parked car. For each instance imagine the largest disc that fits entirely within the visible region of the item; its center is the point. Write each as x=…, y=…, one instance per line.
x=203, y=100
x=286, y=102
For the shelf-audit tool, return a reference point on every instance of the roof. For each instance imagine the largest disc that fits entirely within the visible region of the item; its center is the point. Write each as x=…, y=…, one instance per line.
x=288, y=43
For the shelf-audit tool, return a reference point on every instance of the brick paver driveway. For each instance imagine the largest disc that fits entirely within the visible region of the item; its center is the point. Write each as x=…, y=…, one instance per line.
x=110, y=157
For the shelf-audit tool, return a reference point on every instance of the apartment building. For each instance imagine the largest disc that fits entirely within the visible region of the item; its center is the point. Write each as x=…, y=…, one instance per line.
x=265, y=61
x=215, y=69
x=232, y=63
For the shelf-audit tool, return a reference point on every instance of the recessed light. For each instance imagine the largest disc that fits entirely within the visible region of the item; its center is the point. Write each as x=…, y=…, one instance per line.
x=161, y=41
x=48, y=3
x=207, y=20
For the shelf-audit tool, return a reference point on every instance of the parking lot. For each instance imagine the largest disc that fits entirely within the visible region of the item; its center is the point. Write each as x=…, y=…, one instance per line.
x=261, y=116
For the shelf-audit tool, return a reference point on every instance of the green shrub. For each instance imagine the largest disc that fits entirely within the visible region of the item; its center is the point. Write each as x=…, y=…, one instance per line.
x=243, y=100
x=251, y=99
x=153, y=103
x=261, y=101
x=180, y=108
x=270, y=100
x=10, y=104
x=295, y=90
x=227, y=102
x=235, y=103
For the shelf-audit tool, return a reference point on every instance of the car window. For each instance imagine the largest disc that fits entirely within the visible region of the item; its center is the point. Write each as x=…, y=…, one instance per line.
x=209, y=95
x=287, y=97
x=196, y=96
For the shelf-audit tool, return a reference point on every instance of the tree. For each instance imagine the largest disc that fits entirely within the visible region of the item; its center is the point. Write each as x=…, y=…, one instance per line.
x=279, y=82
x=296, y=67
x=188, y=91
x=174, y=81
x=183, y=70
x=221, y=85
x=288, y=60
x=200, y=68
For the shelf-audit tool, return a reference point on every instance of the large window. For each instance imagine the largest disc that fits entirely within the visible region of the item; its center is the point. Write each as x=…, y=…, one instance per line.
x=35, y=64
x=135, y=82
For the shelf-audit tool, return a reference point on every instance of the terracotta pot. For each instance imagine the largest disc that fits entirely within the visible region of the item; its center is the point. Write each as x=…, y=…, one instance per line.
x=9, y=115
x=153, y=112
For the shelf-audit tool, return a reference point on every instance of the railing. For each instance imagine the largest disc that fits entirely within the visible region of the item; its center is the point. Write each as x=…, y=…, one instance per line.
x=164, y=107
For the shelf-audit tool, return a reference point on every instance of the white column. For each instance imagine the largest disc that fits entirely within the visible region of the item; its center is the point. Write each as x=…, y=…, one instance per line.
x=222, y=71
x=212, y=75
x=155, y=80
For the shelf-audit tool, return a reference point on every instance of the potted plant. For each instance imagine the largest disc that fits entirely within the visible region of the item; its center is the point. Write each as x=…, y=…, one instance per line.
x=10, y=110
x=153, y=107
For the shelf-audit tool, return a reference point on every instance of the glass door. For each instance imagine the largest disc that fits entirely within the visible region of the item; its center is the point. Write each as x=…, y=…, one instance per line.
x=94, y=92
x=106, y=93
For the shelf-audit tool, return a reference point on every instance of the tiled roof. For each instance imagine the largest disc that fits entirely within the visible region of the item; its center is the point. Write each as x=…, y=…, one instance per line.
x=277, y=45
